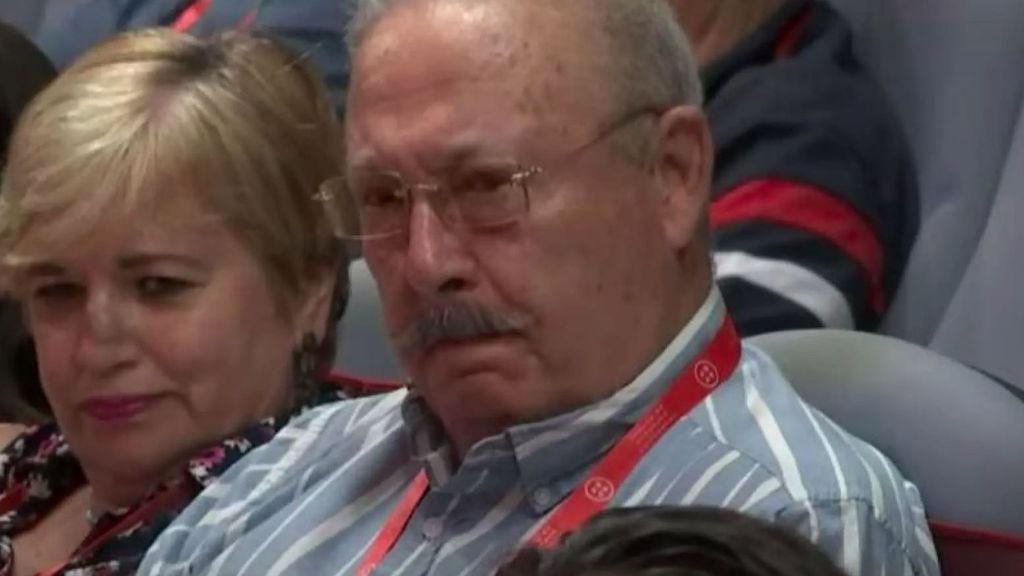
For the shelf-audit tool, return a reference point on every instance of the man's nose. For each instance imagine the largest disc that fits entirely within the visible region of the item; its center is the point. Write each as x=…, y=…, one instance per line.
x=437, y=257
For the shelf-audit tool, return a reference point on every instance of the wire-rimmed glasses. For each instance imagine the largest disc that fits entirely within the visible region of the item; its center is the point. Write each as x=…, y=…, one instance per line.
x=481, y=198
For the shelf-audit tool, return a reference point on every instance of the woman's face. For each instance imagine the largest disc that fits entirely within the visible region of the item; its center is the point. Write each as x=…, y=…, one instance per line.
x=157, y=337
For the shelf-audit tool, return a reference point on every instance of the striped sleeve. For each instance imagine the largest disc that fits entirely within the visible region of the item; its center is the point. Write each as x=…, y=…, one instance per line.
x=206, y=526
x=837, y=490
x=850, y=531
x=788, y=256
x=814, y=202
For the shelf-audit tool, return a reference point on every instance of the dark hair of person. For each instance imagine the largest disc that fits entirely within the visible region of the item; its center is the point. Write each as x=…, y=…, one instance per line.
x=675, y=541
x=24, y=72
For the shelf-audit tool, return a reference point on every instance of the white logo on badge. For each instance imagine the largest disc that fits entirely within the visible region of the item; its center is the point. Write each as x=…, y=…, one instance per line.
x=706, y=373
x=600, y=490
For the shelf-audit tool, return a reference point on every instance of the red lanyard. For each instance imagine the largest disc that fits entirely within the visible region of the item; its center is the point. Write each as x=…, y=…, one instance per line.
x=191, y=15
x=711, y=367
x=188, y=18
x=168, y=500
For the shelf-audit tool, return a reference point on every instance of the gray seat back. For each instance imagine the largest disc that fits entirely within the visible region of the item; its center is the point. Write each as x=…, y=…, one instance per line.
x=364, y=350
x=23, y=15
x=955, y=433
x=954, y=72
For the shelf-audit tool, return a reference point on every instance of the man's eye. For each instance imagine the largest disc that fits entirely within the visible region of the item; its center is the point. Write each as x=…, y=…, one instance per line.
x=481, y=182
x=381, y=197
x=161, y=286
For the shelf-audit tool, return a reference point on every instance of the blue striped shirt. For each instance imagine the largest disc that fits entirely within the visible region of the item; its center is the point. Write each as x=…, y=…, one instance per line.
x=312, y=500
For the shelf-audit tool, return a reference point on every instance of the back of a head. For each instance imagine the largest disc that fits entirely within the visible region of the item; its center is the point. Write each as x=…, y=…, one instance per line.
x=25, y=71
x=672, y=541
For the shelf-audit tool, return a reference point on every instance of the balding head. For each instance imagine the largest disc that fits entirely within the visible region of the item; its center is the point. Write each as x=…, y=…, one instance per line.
x=629, y=52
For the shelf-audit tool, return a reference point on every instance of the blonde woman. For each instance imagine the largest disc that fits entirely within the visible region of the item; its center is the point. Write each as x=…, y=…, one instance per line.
x=159, y=225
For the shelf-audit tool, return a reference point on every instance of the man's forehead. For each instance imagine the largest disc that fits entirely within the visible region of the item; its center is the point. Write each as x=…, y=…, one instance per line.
x=478, y=36
x=485, y=33
x=435, y=45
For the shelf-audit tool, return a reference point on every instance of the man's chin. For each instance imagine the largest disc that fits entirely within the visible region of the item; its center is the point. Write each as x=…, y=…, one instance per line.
x=471, y=368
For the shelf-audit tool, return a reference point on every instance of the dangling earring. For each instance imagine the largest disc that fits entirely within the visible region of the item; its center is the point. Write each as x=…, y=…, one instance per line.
x=306, y=358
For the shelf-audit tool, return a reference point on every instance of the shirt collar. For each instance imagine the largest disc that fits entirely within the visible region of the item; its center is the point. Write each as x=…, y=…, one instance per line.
x=539, y=448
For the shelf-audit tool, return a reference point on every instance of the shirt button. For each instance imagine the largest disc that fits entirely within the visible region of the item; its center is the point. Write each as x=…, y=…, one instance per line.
x=432, y=528
x=543, y=497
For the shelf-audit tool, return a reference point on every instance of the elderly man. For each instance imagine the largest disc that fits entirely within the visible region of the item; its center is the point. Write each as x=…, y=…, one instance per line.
x=814, y=199
x=542, y=257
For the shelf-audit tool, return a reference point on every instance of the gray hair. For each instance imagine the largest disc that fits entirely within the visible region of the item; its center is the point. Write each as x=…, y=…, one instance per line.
x=651, y=62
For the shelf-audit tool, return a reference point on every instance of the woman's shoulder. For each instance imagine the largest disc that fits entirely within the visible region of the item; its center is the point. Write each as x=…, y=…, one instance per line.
x=8, y=432
x=35, y=446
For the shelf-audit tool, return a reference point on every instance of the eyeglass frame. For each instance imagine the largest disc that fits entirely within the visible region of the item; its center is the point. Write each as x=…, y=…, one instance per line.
x=517, y=180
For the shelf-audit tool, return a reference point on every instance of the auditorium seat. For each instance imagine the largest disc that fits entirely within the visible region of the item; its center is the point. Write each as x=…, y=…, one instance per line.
x=954, y=72
x=951, y=430
x=363, y=348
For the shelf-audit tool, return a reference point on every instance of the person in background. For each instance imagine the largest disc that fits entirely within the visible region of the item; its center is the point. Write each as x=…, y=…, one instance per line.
x=312, y=28
x=675, y=541
x=24, y=71
x=158, y=222
x=814, y=198
x=542, y=258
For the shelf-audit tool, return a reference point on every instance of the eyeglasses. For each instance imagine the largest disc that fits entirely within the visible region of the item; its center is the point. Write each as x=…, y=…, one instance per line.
x=477, y=199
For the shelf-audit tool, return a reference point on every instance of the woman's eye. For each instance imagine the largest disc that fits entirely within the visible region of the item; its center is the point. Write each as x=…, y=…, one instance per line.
x=56, y=291
x=162, y=286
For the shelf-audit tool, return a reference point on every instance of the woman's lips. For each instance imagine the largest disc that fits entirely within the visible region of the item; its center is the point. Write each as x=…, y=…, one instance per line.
x=117, y=408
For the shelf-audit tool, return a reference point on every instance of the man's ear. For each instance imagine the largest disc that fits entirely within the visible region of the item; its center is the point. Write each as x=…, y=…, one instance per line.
x=683, y=163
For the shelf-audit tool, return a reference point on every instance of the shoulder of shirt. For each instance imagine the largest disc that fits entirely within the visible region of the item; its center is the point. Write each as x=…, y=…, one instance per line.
x=313, y=443
x=919, y=554
x=776, y=420
x=325, y=425
x=316, y=434
x=819, y=92
x=8, y=432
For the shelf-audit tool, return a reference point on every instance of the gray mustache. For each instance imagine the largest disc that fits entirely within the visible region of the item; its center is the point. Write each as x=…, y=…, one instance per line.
x=456, y=321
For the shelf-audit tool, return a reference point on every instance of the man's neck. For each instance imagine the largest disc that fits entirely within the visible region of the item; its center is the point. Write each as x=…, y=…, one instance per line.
x=716, y=29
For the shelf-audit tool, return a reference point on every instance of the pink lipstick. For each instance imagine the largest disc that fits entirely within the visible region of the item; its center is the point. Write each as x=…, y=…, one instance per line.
x=116, y=408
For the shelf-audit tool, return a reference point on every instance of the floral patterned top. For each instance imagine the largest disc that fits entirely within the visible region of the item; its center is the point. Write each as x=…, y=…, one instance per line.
x=38, y=470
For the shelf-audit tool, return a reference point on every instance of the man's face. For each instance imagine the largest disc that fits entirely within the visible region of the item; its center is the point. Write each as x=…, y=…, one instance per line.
x=574, y=289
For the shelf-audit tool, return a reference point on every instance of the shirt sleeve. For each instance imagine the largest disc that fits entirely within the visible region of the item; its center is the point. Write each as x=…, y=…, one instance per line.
x=853, y=535
x=814, y=196
x=210, y=526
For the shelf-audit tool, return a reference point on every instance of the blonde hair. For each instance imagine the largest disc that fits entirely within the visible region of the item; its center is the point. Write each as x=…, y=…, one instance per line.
x=237, y=120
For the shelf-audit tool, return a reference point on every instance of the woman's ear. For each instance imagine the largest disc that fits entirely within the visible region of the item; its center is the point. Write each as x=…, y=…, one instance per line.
x=683, y=164
x=315, y=308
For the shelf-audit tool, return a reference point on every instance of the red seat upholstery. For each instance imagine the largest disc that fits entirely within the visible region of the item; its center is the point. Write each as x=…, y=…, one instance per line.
x=358, y=386
x=970, y=552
